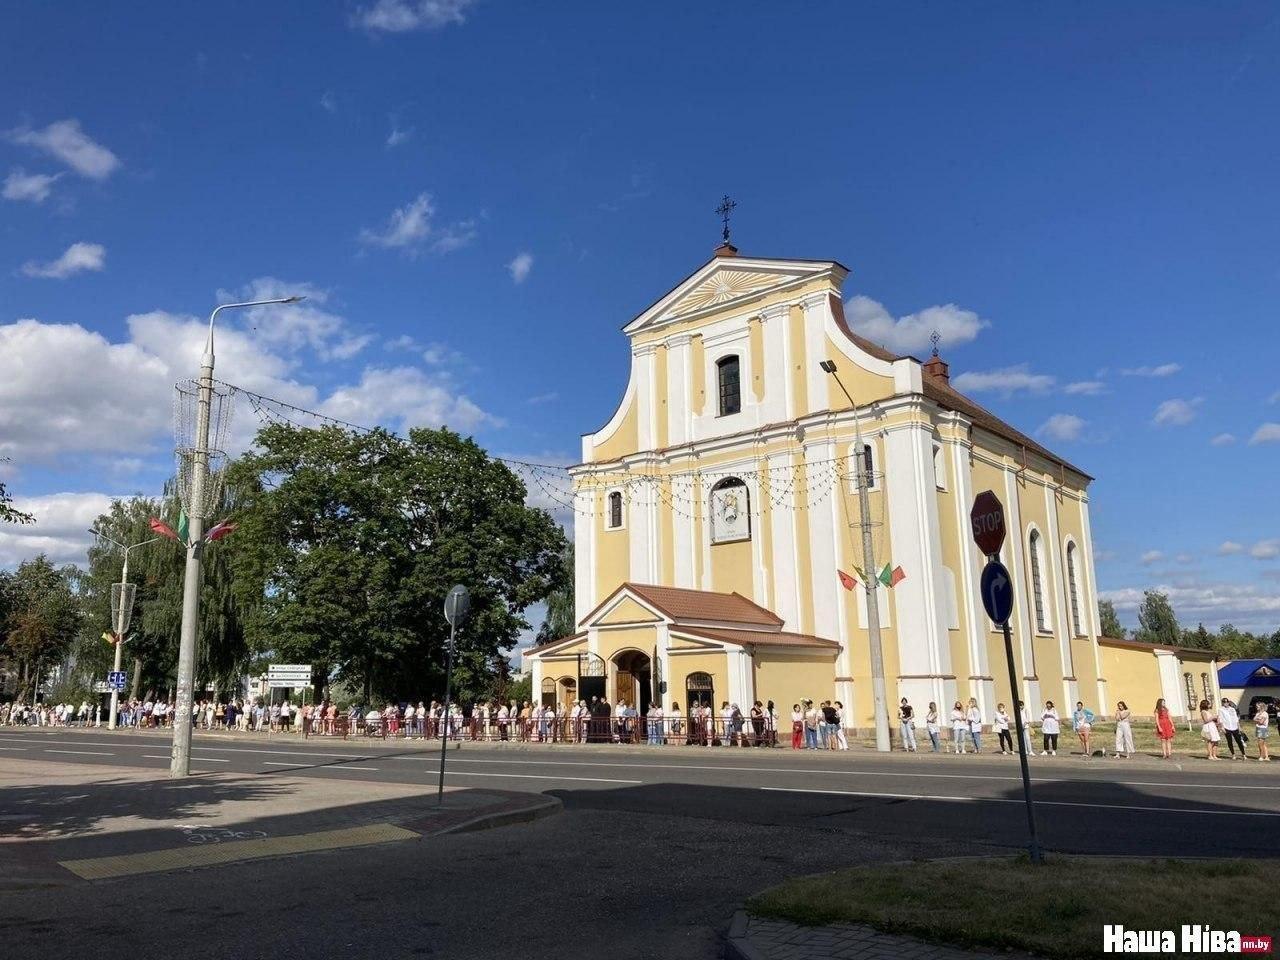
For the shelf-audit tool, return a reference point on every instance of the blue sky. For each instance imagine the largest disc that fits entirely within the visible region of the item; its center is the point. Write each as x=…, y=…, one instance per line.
x=477, y=196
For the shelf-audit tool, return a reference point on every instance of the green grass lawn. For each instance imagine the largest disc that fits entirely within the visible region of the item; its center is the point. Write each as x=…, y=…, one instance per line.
x=1056, y=909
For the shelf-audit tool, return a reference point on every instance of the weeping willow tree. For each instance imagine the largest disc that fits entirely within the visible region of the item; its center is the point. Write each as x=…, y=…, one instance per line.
x=157, y=569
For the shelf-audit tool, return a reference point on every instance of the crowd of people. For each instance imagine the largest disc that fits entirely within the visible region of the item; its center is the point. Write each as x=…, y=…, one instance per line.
x=967, y=724
x=813, y=726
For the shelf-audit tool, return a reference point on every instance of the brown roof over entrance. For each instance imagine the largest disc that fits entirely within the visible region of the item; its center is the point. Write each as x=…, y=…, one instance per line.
x=771, y=638
x=680, y=603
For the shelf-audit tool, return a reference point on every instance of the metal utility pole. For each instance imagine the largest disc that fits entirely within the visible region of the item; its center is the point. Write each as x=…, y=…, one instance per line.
x=180, y=762
x=457, y=603
x=872, y=585
x=123, y=615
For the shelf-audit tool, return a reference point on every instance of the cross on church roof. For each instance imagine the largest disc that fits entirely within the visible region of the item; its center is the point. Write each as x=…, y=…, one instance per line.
x=725, y=209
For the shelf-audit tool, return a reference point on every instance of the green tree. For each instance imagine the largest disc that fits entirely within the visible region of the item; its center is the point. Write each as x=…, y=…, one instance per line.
x=1233, y=644
x=1109, y=622
x=1157, y=623
x=43, y=615
x=158, y=570
x=10, y=513
x=1200, y=638
x=561, y=620
x=350, y=542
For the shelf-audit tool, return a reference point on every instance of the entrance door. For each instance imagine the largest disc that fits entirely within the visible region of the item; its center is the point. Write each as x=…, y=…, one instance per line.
x=624, y=689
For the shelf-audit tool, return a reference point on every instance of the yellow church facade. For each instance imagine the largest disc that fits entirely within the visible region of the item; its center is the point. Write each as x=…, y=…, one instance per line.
x=717, y=508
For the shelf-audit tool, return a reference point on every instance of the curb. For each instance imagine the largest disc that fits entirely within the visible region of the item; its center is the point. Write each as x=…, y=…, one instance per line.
x=737, y=945
x=502, y=818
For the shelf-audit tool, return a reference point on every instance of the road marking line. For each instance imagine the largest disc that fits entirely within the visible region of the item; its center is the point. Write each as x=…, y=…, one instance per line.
x=534, y=776
x=281, y=763
x=165, y=756
x=1043, y=803
x=13, y=748
x=102, y=868
x=341, y=766
x=83, y=753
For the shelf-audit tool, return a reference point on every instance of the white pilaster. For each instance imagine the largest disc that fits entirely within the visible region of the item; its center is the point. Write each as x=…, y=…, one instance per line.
x=816, y=312
x=644, y=364
x=1023, y=624
x=915, y=537
x=679, y=388
x=822, y=546
x=584, y=554
x=782, y=537
x=975, y=617
x=777, y=370
x=1089, y=615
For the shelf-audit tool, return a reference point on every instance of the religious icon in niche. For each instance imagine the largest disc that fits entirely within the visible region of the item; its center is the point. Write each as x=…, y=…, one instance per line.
x=730, y=511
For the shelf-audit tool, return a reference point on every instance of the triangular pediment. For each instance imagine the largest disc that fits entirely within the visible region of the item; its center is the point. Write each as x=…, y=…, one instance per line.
x=627, y=611
x=729, y=281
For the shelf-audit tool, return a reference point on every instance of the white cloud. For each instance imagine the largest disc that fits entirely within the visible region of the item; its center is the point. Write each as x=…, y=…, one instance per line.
x=540, y=398
x=1004, y=381
x=1163, y=370
x=1223, y=440
x=66, y=141
x=35, y=187
x=410, y=228
x=77, y=258
x=1248, y=605
x=296, y=325
x=329, y=102
x=1176, y=412
x=1267, y=433
x=398, y=136
x=1151, y=556
x=402, y=16
x=1184, y=558
x=406, y=395
x=1085, y=388
x=1265, y=550
x=520, y=266
x=1229, y=547
x=910, y=333
x=1062, y=426
x=61, y=530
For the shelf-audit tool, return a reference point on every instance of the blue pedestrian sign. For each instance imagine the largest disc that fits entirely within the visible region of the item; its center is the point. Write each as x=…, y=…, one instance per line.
x=116, y=680
x=997, y=592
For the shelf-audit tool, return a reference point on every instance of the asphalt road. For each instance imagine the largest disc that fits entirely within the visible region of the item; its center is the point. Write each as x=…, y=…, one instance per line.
x=1191, y=808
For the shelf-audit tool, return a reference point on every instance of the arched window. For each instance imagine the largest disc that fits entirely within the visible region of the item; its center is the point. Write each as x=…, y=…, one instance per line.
x=615, y=510
x=548, y=692
x=727, y=376
x=1071, y=589
x=730, y=511
x=1037, y=589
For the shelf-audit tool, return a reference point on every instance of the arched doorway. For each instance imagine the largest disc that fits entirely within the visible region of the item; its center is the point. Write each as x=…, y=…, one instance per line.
x=633, y=680
x=568, y=691
x=548, y=692
x=699, y=688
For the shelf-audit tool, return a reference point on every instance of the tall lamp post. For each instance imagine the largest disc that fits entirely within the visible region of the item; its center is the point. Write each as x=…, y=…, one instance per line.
x=457, y=603
x=180, y=762
x=869, y=567
x=123, y=613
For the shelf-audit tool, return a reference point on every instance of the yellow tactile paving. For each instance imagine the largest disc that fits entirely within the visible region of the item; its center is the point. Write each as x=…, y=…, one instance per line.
x=179, y=858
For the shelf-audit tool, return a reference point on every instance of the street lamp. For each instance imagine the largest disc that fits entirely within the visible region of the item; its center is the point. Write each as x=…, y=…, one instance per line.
x=180, y=762
x=869, y=567
x=123, y=613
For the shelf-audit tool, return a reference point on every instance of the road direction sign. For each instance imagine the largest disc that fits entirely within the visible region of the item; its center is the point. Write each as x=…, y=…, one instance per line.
x=987, y=518
x=289, y=668
x=997, y=592
x=116, y=680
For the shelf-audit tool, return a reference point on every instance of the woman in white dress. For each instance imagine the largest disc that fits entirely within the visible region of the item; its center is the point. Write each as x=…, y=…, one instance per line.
x=1209, y=729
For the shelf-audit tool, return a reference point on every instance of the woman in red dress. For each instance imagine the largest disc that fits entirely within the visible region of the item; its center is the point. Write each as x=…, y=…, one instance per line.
x=1164, y=729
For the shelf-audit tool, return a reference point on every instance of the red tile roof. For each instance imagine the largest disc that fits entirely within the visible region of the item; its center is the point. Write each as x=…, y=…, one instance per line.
x=771, y=638
x=680, y=603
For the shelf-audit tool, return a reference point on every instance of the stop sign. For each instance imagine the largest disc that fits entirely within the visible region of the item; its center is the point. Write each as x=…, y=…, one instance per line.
x=987, y=517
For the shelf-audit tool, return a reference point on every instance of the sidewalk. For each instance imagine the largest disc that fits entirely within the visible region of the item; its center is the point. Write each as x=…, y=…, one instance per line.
x=64, y=821
x=752, y=938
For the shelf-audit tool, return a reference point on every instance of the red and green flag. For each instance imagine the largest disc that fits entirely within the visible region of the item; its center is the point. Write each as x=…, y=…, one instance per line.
x=220, y=530
x=162, y=528
x=891, y=577
x=183, y=526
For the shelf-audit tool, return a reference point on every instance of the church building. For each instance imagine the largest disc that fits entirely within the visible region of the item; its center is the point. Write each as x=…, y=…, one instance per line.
x=718, y=534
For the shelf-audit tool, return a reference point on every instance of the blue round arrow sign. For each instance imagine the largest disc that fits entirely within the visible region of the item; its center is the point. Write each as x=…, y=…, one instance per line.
x=997, y=592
